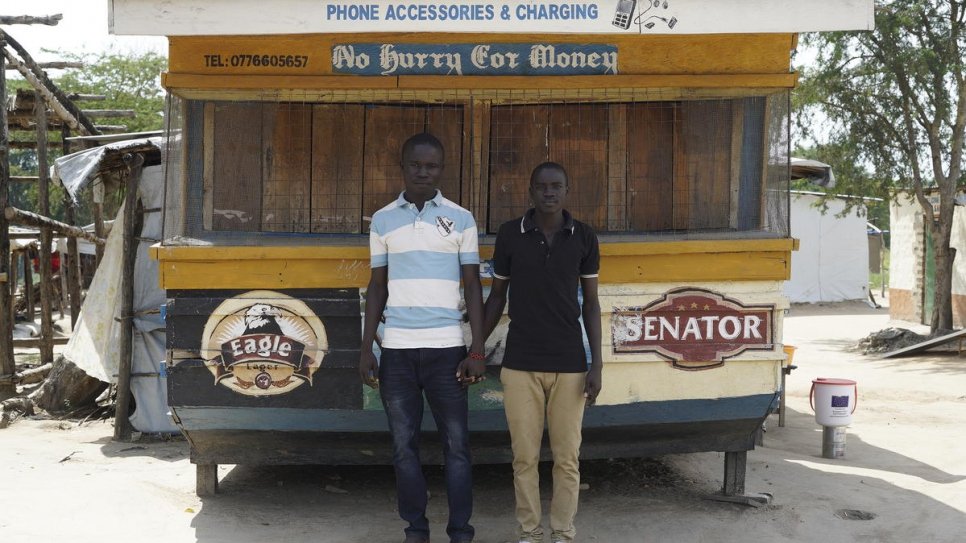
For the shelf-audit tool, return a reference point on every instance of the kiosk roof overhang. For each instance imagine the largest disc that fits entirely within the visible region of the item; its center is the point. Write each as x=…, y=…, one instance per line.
x=674, y=17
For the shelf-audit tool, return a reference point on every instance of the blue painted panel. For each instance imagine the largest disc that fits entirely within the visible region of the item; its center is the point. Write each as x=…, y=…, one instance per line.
x=347, y=420
x=474, y=59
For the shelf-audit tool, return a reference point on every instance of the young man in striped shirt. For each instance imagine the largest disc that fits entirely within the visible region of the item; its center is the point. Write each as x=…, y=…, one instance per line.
x=421, y=245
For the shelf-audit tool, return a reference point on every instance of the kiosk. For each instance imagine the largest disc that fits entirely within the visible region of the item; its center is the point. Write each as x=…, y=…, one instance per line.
x=285, y=124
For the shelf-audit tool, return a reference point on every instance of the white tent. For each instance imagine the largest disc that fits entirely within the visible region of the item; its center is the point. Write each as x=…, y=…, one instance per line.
x=832, y=262
x=93, y=346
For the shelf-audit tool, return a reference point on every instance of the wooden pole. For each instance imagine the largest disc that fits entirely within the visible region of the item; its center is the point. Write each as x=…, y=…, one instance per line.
x=41, y=82
x=97, y=210
x=43, y=194
x=19, y=216
x=7, y=362
x=28, y=286
x=73, y=255
x=122, y=423
x=14, y=266
x=49, y=20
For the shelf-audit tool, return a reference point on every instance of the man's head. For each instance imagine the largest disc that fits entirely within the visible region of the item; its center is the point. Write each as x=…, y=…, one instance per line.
x=422, y=164
x=548, y=187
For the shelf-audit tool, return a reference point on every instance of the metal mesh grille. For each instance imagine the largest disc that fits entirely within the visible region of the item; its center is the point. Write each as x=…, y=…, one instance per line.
x=262, y=167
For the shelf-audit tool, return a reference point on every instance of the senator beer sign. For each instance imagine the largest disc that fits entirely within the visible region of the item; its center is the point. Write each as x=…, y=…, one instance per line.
x=694, y=328
x=263, y=343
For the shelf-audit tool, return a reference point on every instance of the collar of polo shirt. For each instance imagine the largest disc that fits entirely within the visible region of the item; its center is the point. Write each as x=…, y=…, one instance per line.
x=437, y=200
x=527, y=223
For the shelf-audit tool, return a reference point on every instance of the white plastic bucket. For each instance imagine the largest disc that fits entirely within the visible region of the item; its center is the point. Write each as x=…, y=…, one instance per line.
x=833, y=400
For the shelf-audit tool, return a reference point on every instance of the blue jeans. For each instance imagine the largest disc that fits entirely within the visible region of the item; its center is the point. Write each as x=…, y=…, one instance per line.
x=405, y=375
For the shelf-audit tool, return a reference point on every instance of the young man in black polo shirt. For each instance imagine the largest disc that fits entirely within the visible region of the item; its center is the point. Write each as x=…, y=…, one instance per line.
x=546, y=254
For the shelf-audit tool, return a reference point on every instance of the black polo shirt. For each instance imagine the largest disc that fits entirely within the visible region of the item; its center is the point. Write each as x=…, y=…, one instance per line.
x=545, y=332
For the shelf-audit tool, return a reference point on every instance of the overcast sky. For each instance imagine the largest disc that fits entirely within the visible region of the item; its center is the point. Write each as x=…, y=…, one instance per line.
x=83, y=29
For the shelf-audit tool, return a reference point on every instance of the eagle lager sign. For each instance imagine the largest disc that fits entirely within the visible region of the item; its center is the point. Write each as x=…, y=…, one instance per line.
x=263, y=343
x=693, y=328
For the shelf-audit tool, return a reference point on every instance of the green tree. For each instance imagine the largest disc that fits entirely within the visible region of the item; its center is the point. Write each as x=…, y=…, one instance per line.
x=129, y=81
x=891, y=105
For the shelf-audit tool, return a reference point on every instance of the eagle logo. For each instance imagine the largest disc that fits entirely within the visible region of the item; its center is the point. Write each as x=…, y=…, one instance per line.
x=263, y=343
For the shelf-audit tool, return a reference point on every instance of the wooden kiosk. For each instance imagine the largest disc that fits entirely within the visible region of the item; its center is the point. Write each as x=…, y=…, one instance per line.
x=285, y=124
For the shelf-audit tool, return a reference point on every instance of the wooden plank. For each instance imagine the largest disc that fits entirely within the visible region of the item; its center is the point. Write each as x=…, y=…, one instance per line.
x=650, y=166
x=202, y=254
x=131, y=230
x=28, y=285
x=518, y=142
x=498, y=96
x=43, y=197
x=36, y=342
x=181, y=84
x=354, y=273
x=578, y=141
x=237, y=191
x=206, y=480
x=752, y=164
x=681, y=191
x=481, y=158
x=208, y=175
x=7, y=290
x=706, y=127
x=286, y=167
x=737, y=139
x=761, y=53
x=387, y=128
x=446, y=123
x=734, y=473
x=338, y=140
x=617, y=168
x=13, y=263
x=926, y=345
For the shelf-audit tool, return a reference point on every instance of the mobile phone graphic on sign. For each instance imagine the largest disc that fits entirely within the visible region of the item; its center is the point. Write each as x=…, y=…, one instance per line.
x=624, y=13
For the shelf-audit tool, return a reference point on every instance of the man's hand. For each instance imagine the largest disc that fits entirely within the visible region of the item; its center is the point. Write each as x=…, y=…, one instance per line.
x=470, y=371
x=369, y=369
x=592, y=385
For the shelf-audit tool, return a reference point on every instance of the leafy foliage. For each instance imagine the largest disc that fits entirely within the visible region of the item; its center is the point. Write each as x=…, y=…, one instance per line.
x=888, y=110
x=129, y=82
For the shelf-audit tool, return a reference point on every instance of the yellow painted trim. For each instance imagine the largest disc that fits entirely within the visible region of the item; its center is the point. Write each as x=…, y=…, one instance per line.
x=695, y=246
x=272, y=83
x=724, y=81
x=348, y=266
x=767, y=53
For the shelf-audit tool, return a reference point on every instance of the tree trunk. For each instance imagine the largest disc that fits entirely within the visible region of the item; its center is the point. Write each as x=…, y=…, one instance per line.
x=67, y=388
x=945, y=256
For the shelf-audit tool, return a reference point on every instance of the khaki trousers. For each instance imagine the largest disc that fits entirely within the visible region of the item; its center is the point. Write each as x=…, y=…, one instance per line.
x=527, y=396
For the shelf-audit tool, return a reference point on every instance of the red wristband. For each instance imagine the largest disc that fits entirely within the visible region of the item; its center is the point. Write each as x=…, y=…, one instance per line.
x=477, y=356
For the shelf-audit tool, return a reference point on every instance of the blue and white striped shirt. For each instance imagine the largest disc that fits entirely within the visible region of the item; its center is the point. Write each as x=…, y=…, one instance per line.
x=424, y=251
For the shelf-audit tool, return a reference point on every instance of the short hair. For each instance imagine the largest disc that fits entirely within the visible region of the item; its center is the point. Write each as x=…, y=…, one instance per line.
x=548, y=166
x=423, y=138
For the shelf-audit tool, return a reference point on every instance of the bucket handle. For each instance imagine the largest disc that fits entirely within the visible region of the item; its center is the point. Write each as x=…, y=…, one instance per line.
x=811, y=398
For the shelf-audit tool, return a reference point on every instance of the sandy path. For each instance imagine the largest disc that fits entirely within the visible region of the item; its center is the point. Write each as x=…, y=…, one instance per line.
x=905, y=463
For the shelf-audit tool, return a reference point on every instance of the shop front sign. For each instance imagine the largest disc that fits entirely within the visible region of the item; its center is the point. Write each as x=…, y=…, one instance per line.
x=693, y=328
x=474, y=59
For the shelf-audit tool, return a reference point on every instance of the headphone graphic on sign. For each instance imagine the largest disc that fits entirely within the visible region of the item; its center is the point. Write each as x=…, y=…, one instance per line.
x=651, y=20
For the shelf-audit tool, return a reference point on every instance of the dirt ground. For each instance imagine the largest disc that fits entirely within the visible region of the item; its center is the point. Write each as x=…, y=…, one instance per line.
x=905, y=465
